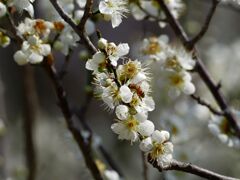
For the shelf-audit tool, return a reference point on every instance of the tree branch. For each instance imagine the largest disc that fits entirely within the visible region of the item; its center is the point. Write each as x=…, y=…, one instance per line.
x=84, y=147
x=30, y=97
x=86, y=15
x=145, y=166
x=190, y=168
x=74, y=26
x=205, y=26
x=202, y=102
x=201, y=69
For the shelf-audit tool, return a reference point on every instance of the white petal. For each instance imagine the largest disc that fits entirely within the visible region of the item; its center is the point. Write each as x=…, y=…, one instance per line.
x=45, y=49
x=102, y=43
x=141, y=116
x=146, y=128
x=104, y=8
x=118, y=128
x=188, y=88
x=20, y=58
x=137, y=13
x=160, y=136
x=146, y=145
x=35, y=58
x=122, y=112
x=116, y=20
x=149, y=103
x=214, y=129
x=122, y=49
x=125, y=94
x=168, y=147
x=223, y=138
x=30, y=10
x=138, y=78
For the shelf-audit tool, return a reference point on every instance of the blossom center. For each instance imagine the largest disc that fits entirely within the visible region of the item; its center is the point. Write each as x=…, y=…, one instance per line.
x=132, y=124
x=157, y=150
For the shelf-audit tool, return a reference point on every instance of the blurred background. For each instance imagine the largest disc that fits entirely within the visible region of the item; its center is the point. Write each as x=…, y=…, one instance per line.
x=57, y=155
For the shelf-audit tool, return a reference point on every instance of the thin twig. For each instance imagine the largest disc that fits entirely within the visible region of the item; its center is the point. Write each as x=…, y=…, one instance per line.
x=145, y=166
x=202, y=102
x=205, y=26
x=85, y=148
x=64, y=67
x=74, y=26
x=86, y=15
x=190, y=168
x=201, y=69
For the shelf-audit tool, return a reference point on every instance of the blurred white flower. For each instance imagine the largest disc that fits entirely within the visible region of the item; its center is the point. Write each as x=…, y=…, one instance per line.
x=219, y=126
x=155, y=47
x=111, y=175
x=158, y=147
x=178, y=59
x=180, y=82
x=113, y=10
x=3, y=9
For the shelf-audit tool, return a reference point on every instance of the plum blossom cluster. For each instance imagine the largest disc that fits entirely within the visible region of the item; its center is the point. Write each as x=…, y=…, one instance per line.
x=125, y=89
x=175, y=63
x=141, y=9
x=219, y=126
x=35, y=45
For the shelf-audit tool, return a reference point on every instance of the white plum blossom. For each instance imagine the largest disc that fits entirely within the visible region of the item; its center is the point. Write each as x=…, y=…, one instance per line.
x=155, y=47
x=158, y=147
x=97, y=63
x=179, y=82
x=113, y=10
x=178, y=59
x=3, y=9
x=219, y=126
x=33, y=51
x=131, y=128
x=115, y=52
x=113, y=95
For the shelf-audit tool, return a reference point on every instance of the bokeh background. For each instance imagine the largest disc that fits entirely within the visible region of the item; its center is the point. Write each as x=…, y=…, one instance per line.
x=58, y=157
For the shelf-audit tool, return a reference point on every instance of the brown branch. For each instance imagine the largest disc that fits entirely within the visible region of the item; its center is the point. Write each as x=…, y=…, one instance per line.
x=30, y=97
x=201, y=69
x=74, y=26
x=202, y=102
x=190, y=168
x=86, y=15
x=205, y=26
x=84, y=147
x=145, y=166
